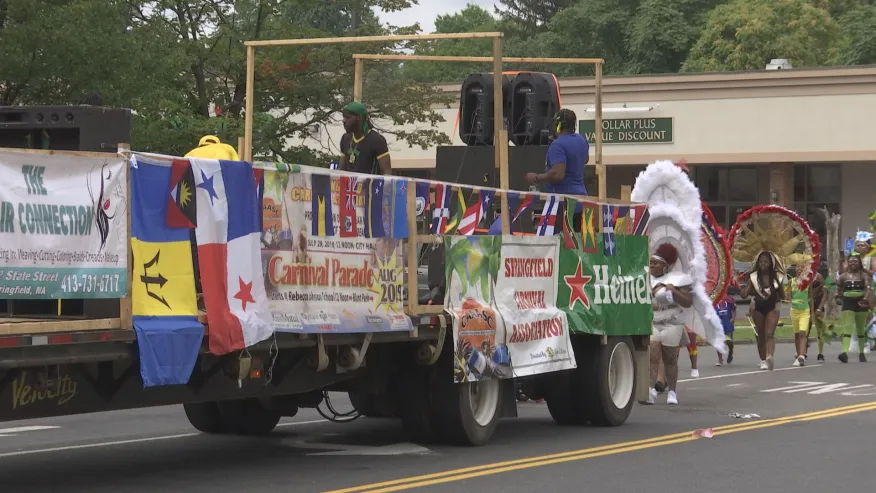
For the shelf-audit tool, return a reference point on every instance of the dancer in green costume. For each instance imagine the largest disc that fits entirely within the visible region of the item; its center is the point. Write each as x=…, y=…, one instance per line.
x=854, y=290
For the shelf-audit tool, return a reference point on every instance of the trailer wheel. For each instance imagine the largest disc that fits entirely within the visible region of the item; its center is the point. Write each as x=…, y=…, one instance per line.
x=248, y=417
x=205, y=417
x=610, y=385
x=469, y=412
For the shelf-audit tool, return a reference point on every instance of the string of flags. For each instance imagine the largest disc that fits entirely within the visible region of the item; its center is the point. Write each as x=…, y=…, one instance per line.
x=350, y=206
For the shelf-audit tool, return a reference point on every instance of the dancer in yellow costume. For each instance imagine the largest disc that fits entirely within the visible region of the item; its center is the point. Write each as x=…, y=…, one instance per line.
x=210, y=147
x=803, y=306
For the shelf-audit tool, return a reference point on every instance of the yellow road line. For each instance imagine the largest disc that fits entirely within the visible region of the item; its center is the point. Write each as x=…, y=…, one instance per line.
x=617, y=448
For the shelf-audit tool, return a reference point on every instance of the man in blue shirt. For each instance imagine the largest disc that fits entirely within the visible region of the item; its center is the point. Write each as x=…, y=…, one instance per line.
x=566, y=157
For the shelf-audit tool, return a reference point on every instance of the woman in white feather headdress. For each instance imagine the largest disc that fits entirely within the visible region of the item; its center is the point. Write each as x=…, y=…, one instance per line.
x=675, y=221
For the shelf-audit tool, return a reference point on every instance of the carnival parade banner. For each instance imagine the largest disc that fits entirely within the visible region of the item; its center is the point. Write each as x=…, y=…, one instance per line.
x=607, y=294
x=63, y=221
x=331, y=252
x=501, y=295
x=526, y=293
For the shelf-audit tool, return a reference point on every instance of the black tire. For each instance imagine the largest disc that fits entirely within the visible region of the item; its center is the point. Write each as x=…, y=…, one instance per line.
x=601, y=408
x=205, y=417
x=248, y=417
x=364, y=404
x=561, y=392
x=415, y=404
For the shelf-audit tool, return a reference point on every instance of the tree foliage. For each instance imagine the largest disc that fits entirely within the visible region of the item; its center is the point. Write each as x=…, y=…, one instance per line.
x=172, y=60
x=525, y=18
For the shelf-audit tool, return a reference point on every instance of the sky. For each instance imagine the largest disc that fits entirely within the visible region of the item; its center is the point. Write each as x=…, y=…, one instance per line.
x=427, y=10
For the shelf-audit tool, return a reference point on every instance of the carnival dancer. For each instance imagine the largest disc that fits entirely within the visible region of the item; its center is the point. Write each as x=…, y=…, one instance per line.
x=674, y=231
x=726, y=310
x=854, y=290
x=769, y=236
x=802, y=304
x=818, y=293
x=671, y=292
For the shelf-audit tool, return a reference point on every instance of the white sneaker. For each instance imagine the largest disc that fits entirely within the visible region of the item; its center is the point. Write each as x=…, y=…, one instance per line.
x=797, y=361
x=763, y=365
x=652, y=396
x=695, y=373
x=720, y=363
x=671, y=397
x=770, y=363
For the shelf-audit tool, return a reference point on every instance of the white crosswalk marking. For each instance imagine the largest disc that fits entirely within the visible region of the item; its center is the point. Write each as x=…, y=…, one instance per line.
x=8, y=432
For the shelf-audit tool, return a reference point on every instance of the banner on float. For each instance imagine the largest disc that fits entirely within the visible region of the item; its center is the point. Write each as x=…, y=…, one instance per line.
x=607, y=294
x=501, y=296
x=64, y=225
x=526, y=293
x=318, y=281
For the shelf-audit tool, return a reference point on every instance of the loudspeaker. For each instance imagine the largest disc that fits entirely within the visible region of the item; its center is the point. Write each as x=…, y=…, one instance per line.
x=476, y=103
x=63, y=128
x=534, y=99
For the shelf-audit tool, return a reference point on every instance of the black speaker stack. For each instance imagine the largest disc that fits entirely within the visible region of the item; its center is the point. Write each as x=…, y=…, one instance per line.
x=63, y=128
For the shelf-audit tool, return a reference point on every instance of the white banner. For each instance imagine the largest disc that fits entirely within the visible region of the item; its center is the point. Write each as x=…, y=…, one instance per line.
x=526, y=293
x=64, y=226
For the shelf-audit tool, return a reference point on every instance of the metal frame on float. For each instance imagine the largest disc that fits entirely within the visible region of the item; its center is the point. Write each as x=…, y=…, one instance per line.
x=501, y=137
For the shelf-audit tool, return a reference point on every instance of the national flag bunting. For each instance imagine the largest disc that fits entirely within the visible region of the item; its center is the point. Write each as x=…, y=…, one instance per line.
x=229, y=255
x=589, y=227
x=164, y=303
x=475, y=213
x=516, y=208
x=548, y=216
x=423, y=196
x=181, y=206
x=621, y=218
x=397, y=206
x=374, y=208
x=571, y=239
x=348, y=222
x=454, y=222
x=321, y=205
x=641, y=216
x=608, y=242
x=441, y=212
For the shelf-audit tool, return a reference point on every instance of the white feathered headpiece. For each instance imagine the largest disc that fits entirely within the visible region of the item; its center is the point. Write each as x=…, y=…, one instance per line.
x=675, y=216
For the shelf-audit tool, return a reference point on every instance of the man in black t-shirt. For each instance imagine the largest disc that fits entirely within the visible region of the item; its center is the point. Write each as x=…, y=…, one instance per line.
x=363, y=149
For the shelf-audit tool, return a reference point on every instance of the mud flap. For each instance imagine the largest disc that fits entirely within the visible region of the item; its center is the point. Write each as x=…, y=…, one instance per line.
x=509, y=399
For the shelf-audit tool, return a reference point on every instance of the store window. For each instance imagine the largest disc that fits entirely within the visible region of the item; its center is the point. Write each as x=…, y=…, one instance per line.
x=817, y=187
x=727, y=190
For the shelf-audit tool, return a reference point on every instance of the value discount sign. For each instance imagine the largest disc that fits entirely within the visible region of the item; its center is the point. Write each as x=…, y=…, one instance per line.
x=607, y=294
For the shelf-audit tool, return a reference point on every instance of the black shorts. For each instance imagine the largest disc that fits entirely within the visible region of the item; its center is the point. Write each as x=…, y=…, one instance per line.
x=764, y=306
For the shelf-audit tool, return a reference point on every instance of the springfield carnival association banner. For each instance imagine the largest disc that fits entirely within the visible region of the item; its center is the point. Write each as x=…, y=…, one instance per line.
x=607, y=294
x=321, y=274
x=63, y=224
x=501, y=293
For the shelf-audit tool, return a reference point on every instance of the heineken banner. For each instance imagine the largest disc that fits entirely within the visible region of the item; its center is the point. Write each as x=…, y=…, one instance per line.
x=607, y=294
x=321, y=275
x=501, y=296
x=64, y=224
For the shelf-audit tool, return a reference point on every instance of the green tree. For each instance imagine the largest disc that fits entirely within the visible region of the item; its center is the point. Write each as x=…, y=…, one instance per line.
x=858, y=44
x=746, y=34
x=527, y=18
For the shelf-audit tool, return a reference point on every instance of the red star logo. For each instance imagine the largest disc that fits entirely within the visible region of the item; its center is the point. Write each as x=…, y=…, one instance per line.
x=576, y=283
x=245, y=293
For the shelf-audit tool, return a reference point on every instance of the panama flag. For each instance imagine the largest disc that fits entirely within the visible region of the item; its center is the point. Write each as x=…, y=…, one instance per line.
x=229, y=255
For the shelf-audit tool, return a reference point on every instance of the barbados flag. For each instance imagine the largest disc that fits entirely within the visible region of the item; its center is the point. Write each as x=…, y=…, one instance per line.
x=165, y=311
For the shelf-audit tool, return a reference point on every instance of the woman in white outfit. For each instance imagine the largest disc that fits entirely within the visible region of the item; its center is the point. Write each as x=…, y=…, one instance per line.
x=672, y=294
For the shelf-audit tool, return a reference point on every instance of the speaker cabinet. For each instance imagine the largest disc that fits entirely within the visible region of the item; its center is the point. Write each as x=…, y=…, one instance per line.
x=63, y=128
x=476, y=104
x=534, y=100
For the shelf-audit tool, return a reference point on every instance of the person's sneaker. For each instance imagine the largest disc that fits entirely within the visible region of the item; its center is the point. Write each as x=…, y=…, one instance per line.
x=695, y=373
x=820, y=358
x=770, y=363
x=659, y=387
x=843, y=357
x=720, y=363
x=652, y=396
x=729, y=358
x=763, y=365
x=671, y=398
x=862, y=358
x=797, y=361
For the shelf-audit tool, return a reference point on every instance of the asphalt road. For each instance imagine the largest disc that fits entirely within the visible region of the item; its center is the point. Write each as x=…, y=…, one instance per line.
x=785, y=450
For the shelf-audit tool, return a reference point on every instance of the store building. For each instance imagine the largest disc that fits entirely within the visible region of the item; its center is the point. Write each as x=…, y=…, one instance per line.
x=802, y=138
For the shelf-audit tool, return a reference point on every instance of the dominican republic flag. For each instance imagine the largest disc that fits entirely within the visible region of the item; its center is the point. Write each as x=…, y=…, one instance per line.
x=609, y=216
x=347, y=207
x=516, y=208
x=475, y=213
x=549, y=216
x=229, y=255
x=441, y=213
